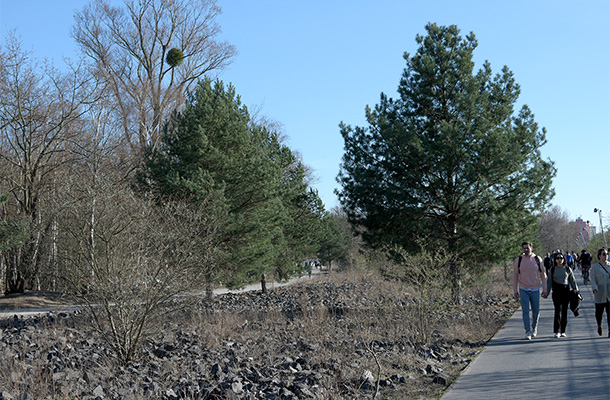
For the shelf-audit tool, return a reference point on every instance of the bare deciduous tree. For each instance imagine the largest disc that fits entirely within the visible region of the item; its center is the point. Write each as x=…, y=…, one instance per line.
x=557, y=232
x=39, y=107
x=130, y=46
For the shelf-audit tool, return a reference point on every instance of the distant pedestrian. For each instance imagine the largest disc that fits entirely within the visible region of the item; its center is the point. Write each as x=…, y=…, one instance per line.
x=264, y=283
x=585, y=262
x=600, y=283
x=574, y=261
x=560, y=282
x=548, y=262
x=528, y=275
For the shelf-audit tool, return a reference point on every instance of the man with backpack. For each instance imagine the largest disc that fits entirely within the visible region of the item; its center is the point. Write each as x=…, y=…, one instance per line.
x=528, y=275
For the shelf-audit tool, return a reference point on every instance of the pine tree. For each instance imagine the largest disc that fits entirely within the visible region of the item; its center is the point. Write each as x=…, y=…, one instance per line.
x=214, y=156
x=448, y=161
x=210, y=157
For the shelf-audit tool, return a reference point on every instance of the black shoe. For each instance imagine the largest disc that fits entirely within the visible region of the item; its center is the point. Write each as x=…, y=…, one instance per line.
x=599, y=331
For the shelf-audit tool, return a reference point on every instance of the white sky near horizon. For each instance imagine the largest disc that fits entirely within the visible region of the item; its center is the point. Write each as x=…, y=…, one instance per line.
x=309, y=65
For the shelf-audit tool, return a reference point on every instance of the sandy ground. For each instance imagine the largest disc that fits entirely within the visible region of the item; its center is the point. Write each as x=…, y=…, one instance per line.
x=49, y=300
x=33, y=299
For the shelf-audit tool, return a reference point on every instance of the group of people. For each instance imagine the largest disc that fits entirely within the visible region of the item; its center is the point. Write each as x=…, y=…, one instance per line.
x=574, y=260
x=530, y=272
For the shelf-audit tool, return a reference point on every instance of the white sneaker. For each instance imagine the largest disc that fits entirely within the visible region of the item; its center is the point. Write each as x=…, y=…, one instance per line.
x=528, y=336
x=563, y=335
x=557, y=335
x=535, y=332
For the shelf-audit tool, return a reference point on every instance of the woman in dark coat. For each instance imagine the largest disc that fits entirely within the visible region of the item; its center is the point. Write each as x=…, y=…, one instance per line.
x=559, y=282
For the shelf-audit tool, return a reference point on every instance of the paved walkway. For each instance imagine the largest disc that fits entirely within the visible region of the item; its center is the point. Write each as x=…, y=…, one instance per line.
x=510, y=367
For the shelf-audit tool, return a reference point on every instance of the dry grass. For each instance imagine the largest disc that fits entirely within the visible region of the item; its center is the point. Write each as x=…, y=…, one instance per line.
x=377, y=325
x=383, y=325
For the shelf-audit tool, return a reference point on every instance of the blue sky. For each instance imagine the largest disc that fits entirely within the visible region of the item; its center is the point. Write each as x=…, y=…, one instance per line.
x=310, y=65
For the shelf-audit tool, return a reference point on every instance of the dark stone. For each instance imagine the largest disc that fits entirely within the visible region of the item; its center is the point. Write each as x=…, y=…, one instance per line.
x=397, y=378
x=440, y=379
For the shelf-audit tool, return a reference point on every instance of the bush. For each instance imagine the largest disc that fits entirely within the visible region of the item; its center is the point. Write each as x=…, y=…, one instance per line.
x=127, y=256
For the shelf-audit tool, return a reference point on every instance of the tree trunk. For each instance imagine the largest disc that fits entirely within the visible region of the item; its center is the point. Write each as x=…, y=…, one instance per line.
x=209, y=287
x=53, y=255
x=92, y=239
x=3, y=274
x=457, y=282
x=454, y=266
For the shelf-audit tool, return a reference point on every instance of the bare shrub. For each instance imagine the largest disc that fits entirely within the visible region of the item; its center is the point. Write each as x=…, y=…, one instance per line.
x=426, y=275
x=484, y=290
x=489, y=284
x=127, y=256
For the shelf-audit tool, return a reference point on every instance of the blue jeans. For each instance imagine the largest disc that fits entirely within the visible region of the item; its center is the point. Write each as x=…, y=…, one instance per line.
x=527, y=297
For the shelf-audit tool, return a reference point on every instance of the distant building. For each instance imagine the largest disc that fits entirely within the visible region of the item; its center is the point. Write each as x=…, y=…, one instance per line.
x=584, y=229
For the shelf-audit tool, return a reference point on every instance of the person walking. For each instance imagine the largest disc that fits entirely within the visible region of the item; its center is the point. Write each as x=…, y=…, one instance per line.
x=600, y=284
x=547, y=262
x=527, y=277
x=559, y=282
x=575, y=260
x=585, y=262
x=569, y=260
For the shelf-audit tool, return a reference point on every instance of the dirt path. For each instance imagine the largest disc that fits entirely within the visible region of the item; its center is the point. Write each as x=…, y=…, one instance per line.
x=34, y=299
x=44, y=301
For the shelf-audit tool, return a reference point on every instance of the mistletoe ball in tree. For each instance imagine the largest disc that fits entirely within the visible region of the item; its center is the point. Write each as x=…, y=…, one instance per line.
x=174, y=57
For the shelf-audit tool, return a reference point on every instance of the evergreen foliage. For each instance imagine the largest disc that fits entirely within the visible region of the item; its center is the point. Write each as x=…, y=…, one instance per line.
x=449, y=160
x=174, y=57
x=212, y=154
x=336, y=240
x=303, y=210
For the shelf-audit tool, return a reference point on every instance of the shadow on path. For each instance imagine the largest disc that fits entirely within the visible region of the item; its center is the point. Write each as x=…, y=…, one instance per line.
x=510, y=367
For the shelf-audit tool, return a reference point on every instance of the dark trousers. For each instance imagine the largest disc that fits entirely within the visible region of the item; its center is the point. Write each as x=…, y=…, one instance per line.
x=561, y=299
x=599, y=313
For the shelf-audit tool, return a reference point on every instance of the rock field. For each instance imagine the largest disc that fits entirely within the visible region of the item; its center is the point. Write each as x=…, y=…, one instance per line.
x=318, y=340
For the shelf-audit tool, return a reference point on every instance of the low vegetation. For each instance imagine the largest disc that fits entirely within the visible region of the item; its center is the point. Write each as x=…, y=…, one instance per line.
x=347, y=335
